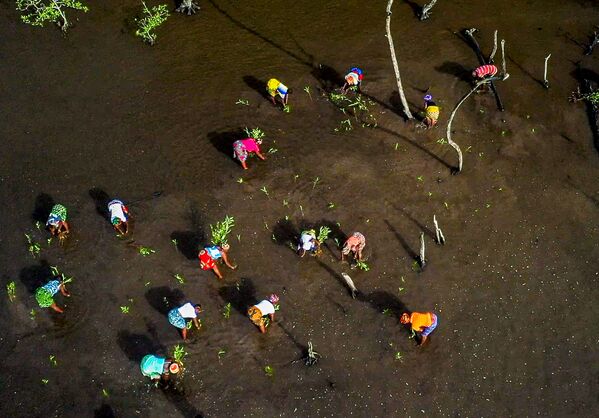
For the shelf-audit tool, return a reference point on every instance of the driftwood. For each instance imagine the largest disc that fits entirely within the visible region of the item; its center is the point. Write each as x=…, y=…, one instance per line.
x=494, y=51
x=470, y=36
x=545, y=81
x=593, y=44
x=422, y=256
x=402, y=96
x=350, y=284
x=188, y=6
x=425, y=13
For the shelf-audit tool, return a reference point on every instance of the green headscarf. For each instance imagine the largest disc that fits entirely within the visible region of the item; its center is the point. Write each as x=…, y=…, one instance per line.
x=44, y=298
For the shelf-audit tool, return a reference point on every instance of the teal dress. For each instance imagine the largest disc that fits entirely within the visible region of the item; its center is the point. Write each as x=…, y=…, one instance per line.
x=152, y=366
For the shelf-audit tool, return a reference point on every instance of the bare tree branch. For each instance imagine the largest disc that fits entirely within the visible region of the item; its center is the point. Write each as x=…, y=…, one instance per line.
x=402, y=96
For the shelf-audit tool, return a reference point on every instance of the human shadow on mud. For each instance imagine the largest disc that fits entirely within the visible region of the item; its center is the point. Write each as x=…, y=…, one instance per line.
x=416, y=222
x=416, y=145
x=383, y=301
x=223, y=141
x=416, y=8
x=457, y=70
x=43, y=206
x=101, y=199
x=188, y=242
x=587, y=80
x=35, y=276
x=136, y=346
x=104, y=411
x=177, y=397
x=163, y=298
x=258, y=85
x=402, y=241
x=525, y=71
x=303, y=349
x=328, y=77
x=241, y=296
x=337, y=276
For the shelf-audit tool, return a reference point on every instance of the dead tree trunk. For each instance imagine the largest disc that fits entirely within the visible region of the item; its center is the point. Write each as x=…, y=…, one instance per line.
x=402, y=96
x=438, y=232
x=187, y=6
x=422, y=256
x=425, y=13
x=545, y=81
x=470, y=36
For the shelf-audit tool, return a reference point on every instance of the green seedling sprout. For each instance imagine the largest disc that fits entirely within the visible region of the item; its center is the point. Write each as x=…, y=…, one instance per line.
x=105, y=393
x=400, y=289
x=420, y=178
x=301, y=209
x=38, y=225
x=45, y=381
x=179, y=278
x=221, y=353
x=387, y=312
x=189, y=324
x=362, y=265
x=11, y=291
x=295, y=177
x=146, y=251
x=227, y=311
x=255, y=133
x=287, y=109
x=240, y=180
x=315, y=182
x=441, y=141
x=38, y=12
x=331, y=205
x=49, y=241
x=147, y=284
x=399, y=356
x=323, y=234
x=412, y=334
x=238, y=237
x=346, y=124
x=312, y=357
x=33, y=247
x=179, y=354
x=32, y=314
x=266, y=226
x=272, y=150
x=264, y=190
x=337, y=242
x=285, y=202
x=269, y=371
x=221, y=230
x=152, y=18
x=244, y=102
x=307, y=90
x=125, y=309
x=53, y=361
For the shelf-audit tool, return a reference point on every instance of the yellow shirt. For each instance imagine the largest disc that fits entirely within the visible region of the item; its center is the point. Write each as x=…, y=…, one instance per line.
x=420, y=320
x=272, y=86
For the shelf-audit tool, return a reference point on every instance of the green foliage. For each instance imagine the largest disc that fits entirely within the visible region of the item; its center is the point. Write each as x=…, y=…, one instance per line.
x=38, y=12
x=152, y=18
x=287, y=109
x=269, y=371
x=125, y=309
x=323, y=234
x=179, y=278
x=221, y=353
x=179, y=354
x=255, y=133
x=356, y=106
x=146, y=251
x=244, y=102
x=227, y=311
x=11, y=291
x=33, y=247
x=362, y=265
x=399, y=356
x=221, y=230
x=53, y=361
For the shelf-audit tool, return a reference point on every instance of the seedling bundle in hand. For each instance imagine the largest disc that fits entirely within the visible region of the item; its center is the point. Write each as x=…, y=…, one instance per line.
x=221, y=230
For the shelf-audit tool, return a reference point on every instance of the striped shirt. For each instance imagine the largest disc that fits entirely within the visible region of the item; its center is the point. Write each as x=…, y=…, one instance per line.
x=485, y=70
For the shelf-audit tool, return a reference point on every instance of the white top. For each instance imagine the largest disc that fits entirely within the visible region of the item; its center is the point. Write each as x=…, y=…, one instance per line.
x=266, y=307
x=116, y=211
x=306, y=241
x=188, y=311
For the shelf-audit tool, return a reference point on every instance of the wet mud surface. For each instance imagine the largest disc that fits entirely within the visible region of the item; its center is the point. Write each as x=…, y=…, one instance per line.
x=97, y=113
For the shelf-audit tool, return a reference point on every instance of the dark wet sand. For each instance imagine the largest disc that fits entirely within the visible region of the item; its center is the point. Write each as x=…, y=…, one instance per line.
x=514, y=286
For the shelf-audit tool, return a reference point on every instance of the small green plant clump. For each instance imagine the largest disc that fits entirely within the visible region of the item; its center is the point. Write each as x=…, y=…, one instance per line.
x=179, y=278
x=33, y=247
x=323, y=234
x=356, y=106
x=362, y=265
x=38, y=12
x=244, y=102
x=152, y=18
x=221, y=230
x=146, y=251
x=179, y=354
x=125, y=309
x=269, y=371
x=227, y=311
x=11, y=291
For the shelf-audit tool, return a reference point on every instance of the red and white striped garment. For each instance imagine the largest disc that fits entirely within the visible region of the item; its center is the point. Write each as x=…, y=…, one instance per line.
x=485, y=70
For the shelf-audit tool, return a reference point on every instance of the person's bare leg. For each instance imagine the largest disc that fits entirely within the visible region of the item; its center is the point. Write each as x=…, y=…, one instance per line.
x=262, y=329
x=244, y=165
x=56, y=308
x=227, y=262
x=423, y=340
x=217, y=272
x=184, y=333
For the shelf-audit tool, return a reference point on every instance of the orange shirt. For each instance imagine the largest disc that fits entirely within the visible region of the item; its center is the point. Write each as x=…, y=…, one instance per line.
x=420, y=320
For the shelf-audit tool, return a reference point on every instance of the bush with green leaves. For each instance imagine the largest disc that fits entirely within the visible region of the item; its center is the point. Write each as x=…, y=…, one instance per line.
x=221, y=230
x=152, y=18
x=38, y=12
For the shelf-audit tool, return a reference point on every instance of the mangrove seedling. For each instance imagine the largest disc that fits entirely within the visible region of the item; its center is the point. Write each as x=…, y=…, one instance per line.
x=287, y=109
x=38, y=12
x=187, y=6
x=323, y=234
x=272, y=150
x=264, y=190
x=179, y=278
x=240, y=180
x=346, y=124
x=315, y=182
x=362, y=265
x=255, y=133
x=175, y=242
x=146, y=251
x=33, y=247
x=221, y=230
x=312, y=357
x=179, y=354
x=399, y=356
x=285, y=202
x=152, y=18
x=11, y=291
x=53, y=361
x=269, y=371
x=221, y=353
x=227, y=311
x=331, y=205
x=125, y=309
x=387, y=312
x=38, y=225
x=45, y=381
x=307, y=90
x=105, y=393
x=32, y=314
x=244, y=102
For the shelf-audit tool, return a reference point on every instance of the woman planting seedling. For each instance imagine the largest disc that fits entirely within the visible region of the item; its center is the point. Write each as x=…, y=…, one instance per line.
x=353, y=79
x=423, y=323
x=431, y=110
x=209, y=256
x=246, y=146
x=45, y=294
x=178, y=316
x=274, y=88
x=158, y=368
x=354, y=244
x=57, y=222
x=119, y=216
x=308, y=242
x=263, y=313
